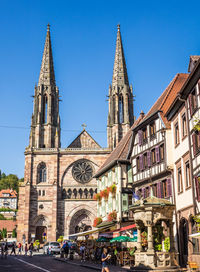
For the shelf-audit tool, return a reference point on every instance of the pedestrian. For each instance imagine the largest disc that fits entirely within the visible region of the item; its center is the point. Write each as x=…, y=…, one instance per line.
x=26, y=249
x=31, y=249
x=2, y=250
x=104, y=258
x=6, y=250
x=13, y=249
x=20, y=248
x=82, y=252
x=66, y=250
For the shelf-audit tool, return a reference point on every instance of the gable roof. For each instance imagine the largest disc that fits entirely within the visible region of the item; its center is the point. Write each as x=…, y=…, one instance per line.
x=120, y=152
x=167, y=97
x=84, y=140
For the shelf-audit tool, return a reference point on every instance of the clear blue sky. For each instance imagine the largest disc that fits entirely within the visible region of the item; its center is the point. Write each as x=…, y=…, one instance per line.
x=158, y=38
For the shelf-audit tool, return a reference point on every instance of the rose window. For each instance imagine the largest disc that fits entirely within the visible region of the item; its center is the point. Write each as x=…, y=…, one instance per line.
x=82, y=171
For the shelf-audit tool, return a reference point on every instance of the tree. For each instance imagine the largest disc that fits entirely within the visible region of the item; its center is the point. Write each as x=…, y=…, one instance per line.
x=9, y=182
x=4, y=233
x=14, y=233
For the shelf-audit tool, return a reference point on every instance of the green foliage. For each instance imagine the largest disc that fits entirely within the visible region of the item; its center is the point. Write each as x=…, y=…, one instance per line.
x=2, y=217
x=9, y=182
x=7, y=210
x=4, y=232
x=158, y=247
x=196, y=124
x=167, y=244
x=197, y=220
x=14, y=233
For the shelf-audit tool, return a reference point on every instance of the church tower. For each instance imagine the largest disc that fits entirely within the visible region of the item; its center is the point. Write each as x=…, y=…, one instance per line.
x=45, y=125
x=120, y=116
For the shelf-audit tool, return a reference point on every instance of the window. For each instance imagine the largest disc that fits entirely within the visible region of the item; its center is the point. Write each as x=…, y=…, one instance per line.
x=44, y=109
x=152, y=130
x=162, y=152
x=179, y=178
x=130, y=200
x=145, y=161
x=138, y=164
x=164, y=189
x=193, y=101
x=196, y=142
x=144, y=135
x=153, y=156
x=43, y=192
x=176, y=134
x=184, y=126
x=41, y=172
x=39, y=192
x=187, y=175
x=154, y=189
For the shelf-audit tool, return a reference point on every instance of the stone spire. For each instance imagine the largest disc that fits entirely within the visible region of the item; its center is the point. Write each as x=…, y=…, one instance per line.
x=45, y=125
x=47, y=76
x=120, y=116
x=120, y=76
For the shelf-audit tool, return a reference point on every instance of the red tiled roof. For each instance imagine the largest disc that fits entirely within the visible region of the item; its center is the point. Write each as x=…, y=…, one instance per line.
x=8, y=224
x=167, y=97
x=13, y=194
x=121, y=150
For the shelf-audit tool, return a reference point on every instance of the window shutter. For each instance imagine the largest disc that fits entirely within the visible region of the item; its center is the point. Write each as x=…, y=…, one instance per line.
x=157, y=149
x=159, y=189
x=141, y=162
x=124, y=202
x=190, y=104
x=149, y=158
x=140, y=140
x=169, y=187
x=197, y=188
x=194, y=143
x=130, y=174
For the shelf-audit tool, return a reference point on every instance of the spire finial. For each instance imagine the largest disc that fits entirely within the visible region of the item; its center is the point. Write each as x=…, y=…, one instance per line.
x=48, y=27
x=84, y=126
x=118, y=27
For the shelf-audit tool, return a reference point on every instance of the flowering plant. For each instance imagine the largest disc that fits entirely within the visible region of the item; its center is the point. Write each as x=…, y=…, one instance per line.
x=97, y=197
x=97, y=221
x=112, y=216
x=112, y=189
x=105, y=193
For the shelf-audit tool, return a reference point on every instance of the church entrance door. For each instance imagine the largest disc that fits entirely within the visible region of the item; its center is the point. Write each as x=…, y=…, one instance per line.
x=41, y=231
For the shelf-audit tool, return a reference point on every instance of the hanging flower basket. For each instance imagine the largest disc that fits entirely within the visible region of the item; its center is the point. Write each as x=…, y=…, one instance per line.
x=112, y=216
x=112, y=189
x=105, y=193
x=97, y=197
x=97, y=221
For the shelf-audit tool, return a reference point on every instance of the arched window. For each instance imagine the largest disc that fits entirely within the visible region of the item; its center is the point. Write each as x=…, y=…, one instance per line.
x=45, y=109
x=41, y=172
x=114, y=109
x=121, y=109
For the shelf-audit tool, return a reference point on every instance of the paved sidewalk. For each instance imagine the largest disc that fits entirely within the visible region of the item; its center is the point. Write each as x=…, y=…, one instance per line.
x=92, y=266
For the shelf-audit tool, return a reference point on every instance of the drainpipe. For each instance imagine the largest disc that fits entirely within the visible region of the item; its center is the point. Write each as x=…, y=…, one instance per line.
x=190, y=156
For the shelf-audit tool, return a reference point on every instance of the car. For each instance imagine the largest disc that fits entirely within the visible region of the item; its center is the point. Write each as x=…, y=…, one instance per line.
x=51, y=248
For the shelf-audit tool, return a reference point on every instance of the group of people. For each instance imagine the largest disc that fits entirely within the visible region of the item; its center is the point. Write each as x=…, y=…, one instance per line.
x=4, y=249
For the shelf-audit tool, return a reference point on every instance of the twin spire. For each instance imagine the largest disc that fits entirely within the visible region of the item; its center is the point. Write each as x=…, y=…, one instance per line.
x=120, y=76
x=47, y=75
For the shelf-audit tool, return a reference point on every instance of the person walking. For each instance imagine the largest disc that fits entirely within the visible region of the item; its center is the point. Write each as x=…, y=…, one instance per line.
x=20, y=249
x=31, y=249
x=26, y=249
x=104, y=258
x=13, y=249
x=82, y=252
x=2, y=250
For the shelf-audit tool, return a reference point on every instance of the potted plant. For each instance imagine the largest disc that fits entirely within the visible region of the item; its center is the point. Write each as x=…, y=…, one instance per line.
x=97, y=197
x=112, y=189
x=105, y=193
x=112, y=216
x=97, y=221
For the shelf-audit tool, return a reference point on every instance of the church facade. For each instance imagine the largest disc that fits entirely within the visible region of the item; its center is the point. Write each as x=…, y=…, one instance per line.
x=56, y=197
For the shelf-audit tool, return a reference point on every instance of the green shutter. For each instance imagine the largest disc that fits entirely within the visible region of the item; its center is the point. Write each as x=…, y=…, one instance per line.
x=109, y=178
x=124, y=202
x=116, y=175
x=117, y=203
x=130, y=177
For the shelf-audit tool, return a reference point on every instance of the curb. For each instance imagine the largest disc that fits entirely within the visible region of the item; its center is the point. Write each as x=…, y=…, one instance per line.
x=82, y=265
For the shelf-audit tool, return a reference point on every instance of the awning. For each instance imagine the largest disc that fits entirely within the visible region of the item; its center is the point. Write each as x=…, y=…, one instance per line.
x=115, y=233
x=195, y=235
x=133, y=226
x=85, y=233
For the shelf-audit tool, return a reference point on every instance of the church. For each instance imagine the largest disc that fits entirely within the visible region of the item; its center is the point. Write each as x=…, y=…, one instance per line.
x=56, y=197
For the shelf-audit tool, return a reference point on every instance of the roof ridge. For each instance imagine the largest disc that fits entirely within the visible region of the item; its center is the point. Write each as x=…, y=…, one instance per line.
x=125, y=142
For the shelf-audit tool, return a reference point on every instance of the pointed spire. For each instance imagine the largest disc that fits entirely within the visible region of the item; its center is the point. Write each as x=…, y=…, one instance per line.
x=120, y=76
x=47, y=76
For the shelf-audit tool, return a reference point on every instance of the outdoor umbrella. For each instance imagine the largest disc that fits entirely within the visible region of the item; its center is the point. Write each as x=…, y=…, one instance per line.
x=120, y=239
x=102, y=239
